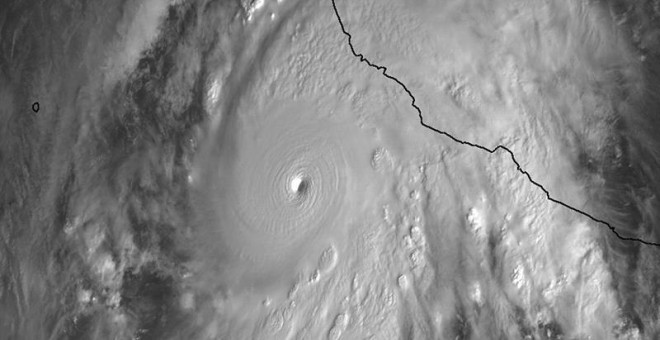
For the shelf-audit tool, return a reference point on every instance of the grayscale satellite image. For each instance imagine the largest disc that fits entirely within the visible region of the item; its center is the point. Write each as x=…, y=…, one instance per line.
x=330, y=169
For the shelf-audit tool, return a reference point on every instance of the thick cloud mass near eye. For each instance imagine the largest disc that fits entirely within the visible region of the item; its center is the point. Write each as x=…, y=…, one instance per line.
x=277, y=189
x=287, y=150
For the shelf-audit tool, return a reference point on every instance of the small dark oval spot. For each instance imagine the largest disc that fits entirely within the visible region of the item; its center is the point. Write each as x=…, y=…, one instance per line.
x=35, y=107
x=303, y=186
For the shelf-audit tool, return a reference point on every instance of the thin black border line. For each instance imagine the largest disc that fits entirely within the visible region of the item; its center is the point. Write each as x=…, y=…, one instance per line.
x=383, y=70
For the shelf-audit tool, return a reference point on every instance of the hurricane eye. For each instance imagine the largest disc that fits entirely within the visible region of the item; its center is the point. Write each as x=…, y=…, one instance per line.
x=299, y=185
